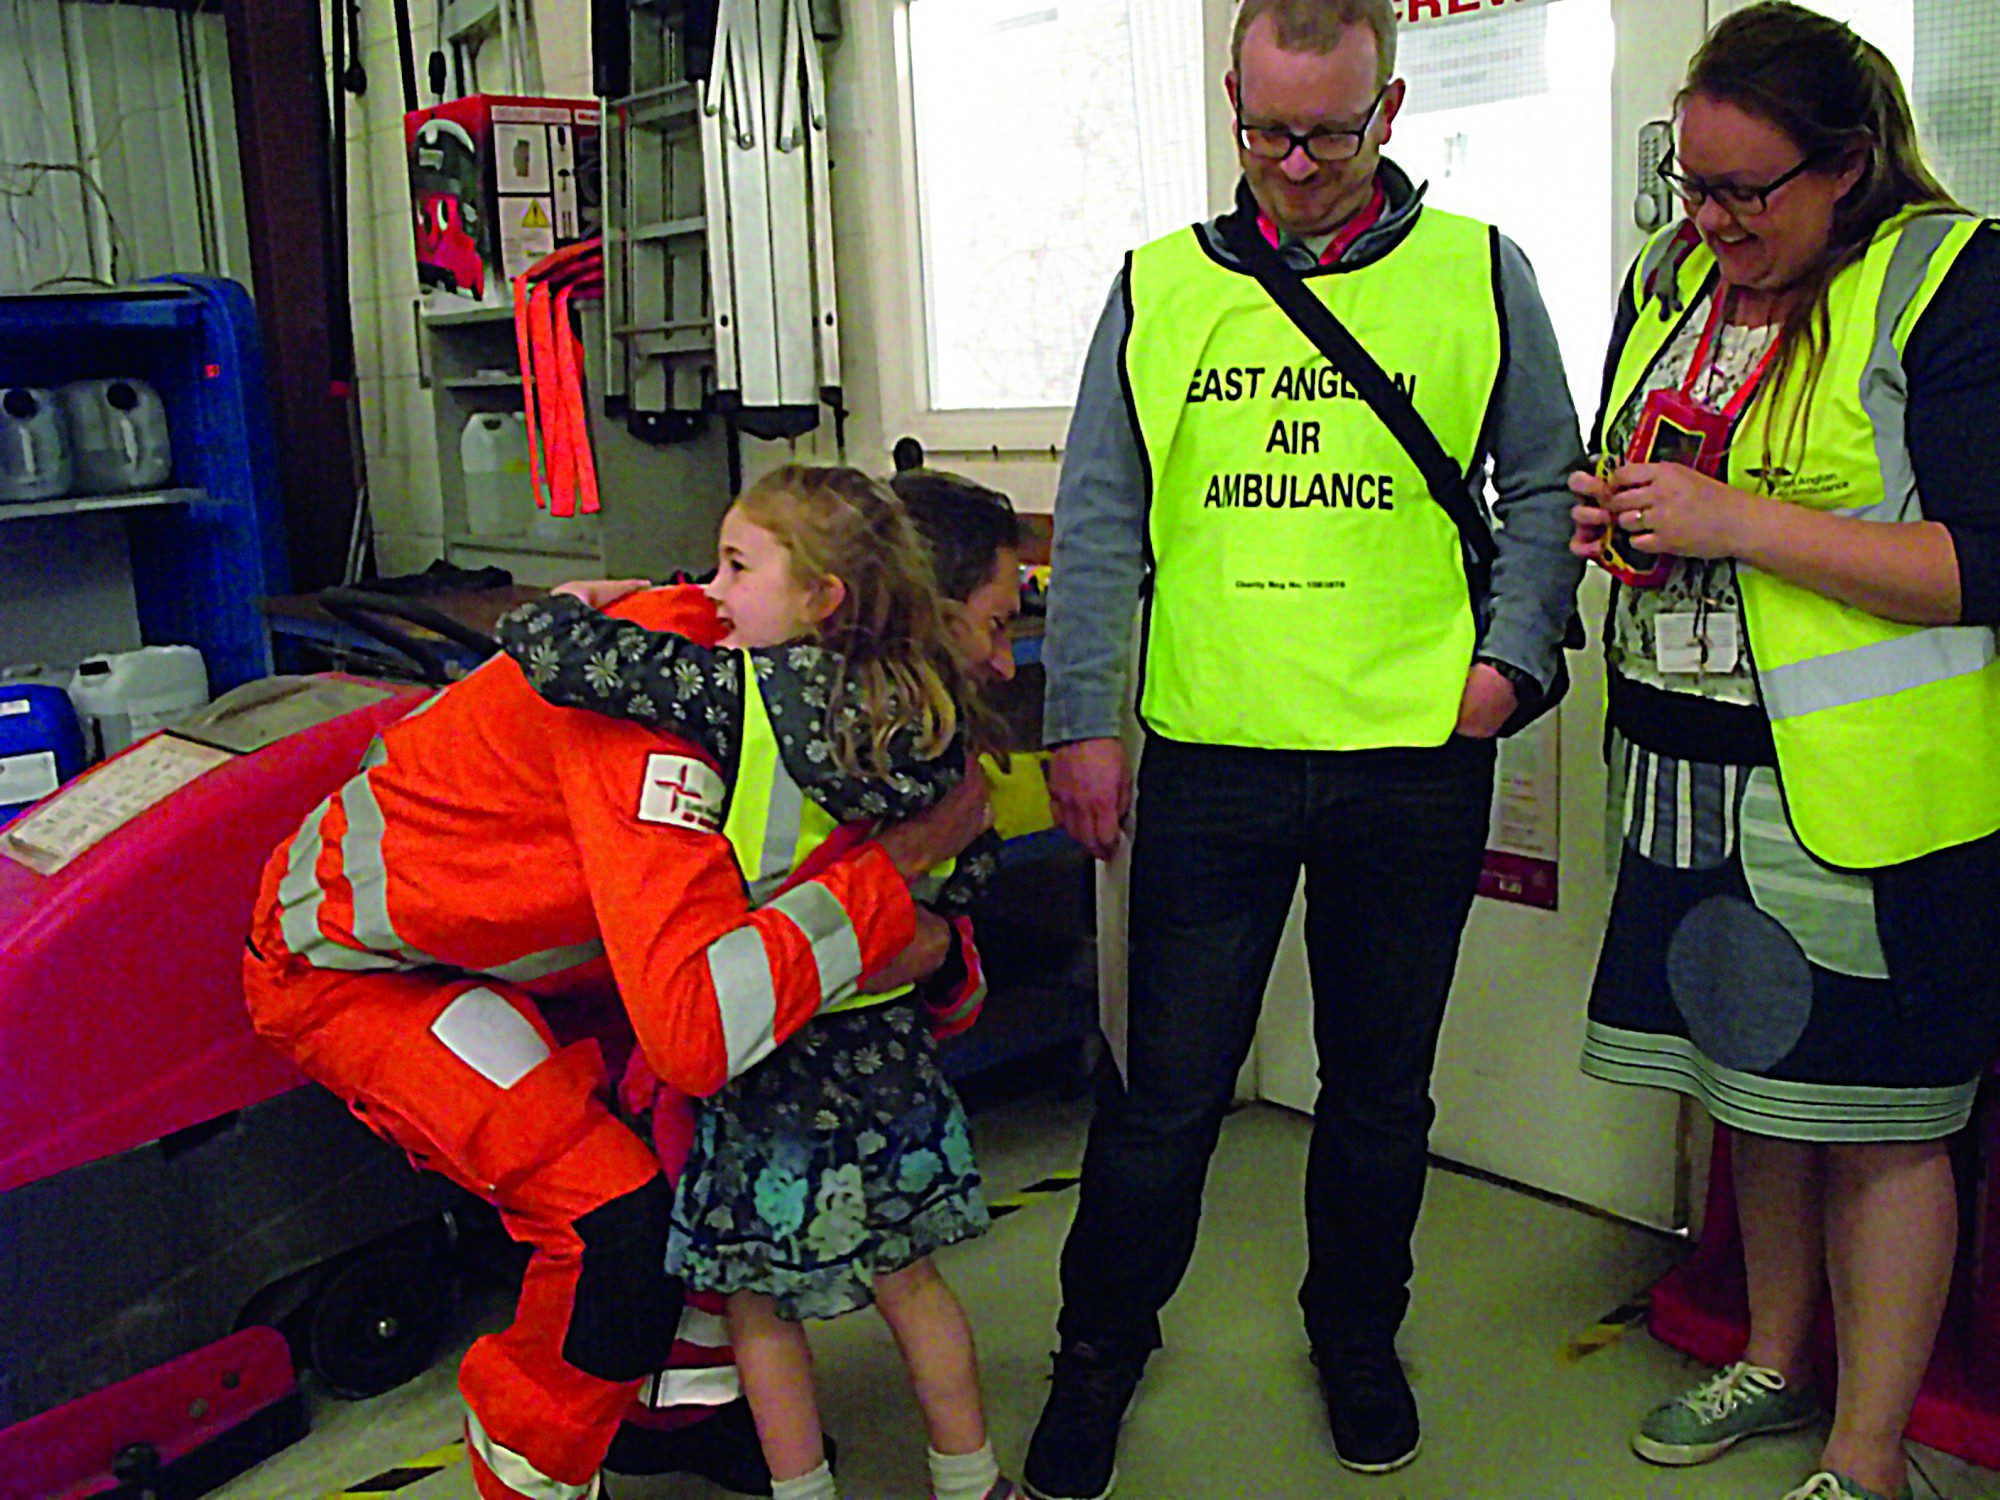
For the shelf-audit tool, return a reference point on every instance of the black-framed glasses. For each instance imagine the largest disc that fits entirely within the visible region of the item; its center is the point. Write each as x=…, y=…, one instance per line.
x=1330, y=143
x=1746, y=200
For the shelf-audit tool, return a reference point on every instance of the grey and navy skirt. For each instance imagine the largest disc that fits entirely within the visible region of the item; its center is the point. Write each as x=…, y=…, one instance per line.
x=1792, y=1000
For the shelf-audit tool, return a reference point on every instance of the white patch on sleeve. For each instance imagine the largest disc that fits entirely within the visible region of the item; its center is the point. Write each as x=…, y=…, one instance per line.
x=681, y=792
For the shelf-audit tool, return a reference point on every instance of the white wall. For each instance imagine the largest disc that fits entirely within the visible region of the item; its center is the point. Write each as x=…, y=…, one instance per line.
x=117, y=146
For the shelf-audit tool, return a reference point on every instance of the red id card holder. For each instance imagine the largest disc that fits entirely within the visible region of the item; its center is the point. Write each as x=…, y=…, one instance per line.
x=1673, y=428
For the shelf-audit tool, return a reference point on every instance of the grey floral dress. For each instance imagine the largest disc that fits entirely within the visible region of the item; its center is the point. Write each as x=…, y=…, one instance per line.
x=844, y=1155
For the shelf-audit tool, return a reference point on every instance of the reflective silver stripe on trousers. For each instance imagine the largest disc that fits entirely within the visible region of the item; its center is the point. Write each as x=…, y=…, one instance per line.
x=299, y=892
x=532, y=966
x=490, y=1037
x=697, y=1385
x=300, y=897
x=702, y=1328
x=366, y=868
x=1894, y=666
x=517, y=1473
x=745, y=997
x=1885, y=392
x=835, y=947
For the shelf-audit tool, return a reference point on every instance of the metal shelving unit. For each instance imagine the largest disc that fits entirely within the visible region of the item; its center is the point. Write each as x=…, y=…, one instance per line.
x=180, y=565
x=77, y=505
x=659, y=338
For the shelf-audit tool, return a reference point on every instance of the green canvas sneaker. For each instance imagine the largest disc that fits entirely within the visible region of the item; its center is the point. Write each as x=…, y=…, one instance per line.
x=1826, y=1485
x=1742, y=1401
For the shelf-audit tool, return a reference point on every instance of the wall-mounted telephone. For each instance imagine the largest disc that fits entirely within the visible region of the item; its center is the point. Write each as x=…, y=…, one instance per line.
x=1654, y=205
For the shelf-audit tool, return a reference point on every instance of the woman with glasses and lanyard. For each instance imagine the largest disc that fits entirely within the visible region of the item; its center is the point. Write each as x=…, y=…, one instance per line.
x=1805, y=711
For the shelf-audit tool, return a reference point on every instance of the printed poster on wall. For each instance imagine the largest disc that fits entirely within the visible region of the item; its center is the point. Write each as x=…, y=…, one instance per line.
x=1434, y=12
x=1526, y=832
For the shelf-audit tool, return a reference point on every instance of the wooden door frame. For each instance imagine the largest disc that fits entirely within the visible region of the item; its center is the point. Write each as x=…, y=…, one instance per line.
x=278, y=73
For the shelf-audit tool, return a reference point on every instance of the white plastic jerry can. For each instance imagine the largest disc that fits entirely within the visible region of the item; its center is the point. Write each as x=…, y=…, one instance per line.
x=119, y=430
x=36, y=461
x=493, y=456
x=122, y=697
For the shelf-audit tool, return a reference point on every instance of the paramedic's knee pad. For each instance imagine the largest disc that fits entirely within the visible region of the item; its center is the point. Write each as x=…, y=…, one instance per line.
x=626, y=1307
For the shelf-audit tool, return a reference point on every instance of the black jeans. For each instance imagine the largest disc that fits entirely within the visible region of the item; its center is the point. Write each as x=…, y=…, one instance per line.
x=1391, y=843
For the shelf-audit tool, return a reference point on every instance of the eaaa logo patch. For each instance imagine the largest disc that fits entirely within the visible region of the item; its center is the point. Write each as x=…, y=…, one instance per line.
x=682, y=792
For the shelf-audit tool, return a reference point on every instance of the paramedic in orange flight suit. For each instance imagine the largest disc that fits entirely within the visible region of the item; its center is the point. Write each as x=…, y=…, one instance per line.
x=495, y=853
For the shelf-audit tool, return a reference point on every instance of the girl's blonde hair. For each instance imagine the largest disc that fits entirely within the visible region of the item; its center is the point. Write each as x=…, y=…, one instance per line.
x=899, y=674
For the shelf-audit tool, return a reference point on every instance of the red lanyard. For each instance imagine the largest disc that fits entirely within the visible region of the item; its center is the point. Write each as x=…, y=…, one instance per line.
x=1744, y=392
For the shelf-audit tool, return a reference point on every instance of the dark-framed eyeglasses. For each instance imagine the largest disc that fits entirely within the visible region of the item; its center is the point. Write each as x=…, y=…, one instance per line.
x=1745, y=200
x=1329, y=143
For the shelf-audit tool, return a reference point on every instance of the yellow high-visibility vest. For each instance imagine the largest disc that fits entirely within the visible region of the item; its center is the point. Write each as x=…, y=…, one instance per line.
x=773, y=826
x=1308, y=593
x=1888, y=735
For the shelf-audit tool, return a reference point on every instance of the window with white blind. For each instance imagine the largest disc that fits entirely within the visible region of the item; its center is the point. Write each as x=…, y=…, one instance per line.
x=1048, y=138
x=1508, y=119
x=1948, y=54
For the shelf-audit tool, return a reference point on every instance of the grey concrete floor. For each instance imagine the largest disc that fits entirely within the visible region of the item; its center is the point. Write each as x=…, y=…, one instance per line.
x=1229, y=1407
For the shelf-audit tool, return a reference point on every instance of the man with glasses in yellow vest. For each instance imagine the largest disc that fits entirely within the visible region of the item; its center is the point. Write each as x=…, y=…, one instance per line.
x=1323, y=668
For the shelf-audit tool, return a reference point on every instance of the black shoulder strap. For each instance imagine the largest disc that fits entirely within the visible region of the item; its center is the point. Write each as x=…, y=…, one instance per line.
x=1344, y=352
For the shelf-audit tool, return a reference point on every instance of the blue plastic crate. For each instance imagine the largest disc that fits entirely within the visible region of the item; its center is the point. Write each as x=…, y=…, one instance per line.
x=198, y=569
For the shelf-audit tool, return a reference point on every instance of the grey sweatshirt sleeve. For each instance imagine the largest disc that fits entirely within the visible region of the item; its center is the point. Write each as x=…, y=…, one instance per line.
x=1099, y=561
x=1535, y=448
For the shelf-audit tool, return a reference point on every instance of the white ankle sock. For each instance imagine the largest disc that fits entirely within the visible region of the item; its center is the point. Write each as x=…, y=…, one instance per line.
x=963, y=1476
x=818, y=1485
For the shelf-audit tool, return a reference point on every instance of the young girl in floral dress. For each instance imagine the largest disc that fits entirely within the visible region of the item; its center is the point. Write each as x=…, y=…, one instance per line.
x=823, y=1179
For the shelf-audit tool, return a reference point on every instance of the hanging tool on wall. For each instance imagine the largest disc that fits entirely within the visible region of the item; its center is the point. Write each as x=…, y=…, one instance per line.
x=348, y=77
x=436, y=71
x=353, y=76
x=770, y=219
x=562, y=468
x=719, y=267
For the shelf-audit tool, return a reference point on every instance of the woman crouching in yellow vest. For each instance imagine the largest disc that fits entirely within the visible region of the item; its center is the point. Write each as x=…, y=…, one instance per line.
x=1805, y=711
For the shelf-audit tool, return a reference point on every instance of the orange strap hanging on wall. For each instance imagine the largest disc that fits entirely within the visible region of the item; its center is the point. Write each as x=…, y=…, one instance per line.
x=561, y=466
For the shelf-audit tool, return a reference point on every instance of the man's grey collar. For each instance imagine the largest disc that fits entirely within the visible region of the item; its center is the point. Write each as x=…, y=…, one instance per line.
x=1402, y=200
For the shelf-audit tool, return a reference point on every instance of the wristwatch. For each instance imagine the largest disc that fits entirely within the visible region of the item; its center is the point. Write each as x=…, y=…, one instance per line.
x=1526, y=689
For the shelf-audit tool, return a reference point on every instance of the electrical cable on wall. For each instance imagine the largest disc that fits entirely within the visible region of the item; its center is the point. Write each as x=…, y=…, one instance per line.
x=57, y=131
x=347, y=77
x=37, y=171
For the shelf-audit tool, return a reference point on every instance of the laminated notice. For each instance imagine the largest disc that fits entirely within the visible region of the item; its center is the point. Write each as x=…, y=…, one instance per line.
x=95, y=805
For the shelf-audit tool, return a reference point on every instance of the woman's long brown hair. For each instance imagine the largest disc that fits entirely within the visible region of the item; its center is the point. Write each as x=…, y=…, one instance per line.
x=1834, y=96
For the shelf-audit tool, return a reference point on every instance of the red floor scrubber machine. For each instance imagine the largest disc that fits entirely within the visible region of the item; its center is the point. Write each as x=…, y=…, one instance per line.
x=184, y=1219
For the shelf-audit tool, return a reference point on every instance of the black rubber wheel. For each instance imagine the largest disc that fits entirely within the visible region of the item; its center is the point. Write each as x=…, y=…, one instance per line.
x=376, y=1321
